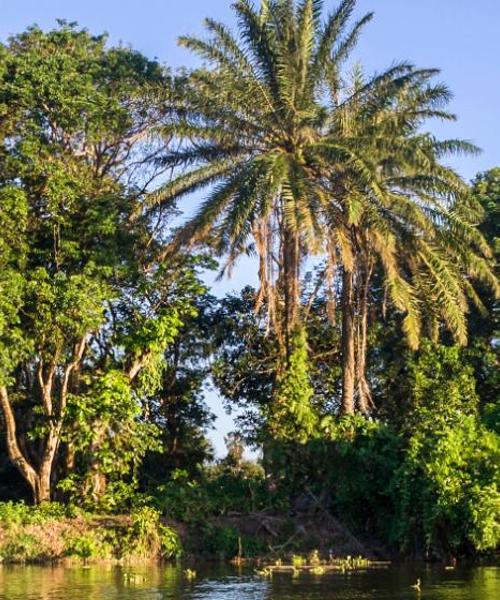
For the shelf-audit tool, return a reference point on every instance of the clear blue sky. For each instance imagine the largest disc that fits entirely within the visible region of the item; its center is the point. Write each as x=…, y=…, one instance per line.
x=461, y=37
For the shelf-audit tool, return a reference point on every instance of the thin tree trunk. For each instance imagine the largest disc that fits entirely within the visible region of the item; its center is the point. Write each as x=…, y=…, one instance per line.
x=98, y=478
x=364, y=392
x=70, y=458
x=16, y=455
x=348, y=343
x=291, y=265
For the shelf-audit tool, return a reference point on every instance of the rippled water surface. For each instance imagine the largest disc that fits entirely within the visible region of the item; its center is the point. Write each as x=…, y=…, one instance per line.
x=224, y=583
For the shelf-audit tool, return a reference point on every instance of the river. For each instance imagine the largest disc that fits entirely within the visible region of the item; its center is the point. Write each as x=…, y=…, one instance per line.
x=227, y=583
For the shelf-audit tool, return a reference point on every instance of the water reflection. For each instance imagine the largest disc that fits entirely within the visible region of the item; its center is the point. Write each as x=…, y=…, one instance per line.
x=221, y=583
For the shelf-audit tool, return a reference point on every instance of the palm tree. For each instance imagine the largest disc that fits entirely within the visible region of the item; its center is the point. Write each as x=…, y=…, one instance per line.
x=395, y=206
x=250, y=129
x=297, y=164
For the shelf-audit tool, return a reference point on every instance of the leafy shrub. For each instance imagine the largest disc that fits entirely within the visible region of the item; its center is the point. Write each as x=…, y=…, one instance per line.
x=170, y=543
x=240, y=489
x=147, y=536
x=14, y=513
x=24, y=547
x=220, y=541
x=19, y=513
x=182, y=498
x=363, y=457
x=448, y=485
x=226, y=542
x=51, y=532
x=347, y=468
x=88, y=546
x=219, y=491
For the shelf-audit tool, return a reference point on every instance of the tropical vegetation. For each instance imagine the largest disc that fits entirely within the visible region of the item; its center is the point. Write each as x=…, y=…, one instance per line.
x=364, y=367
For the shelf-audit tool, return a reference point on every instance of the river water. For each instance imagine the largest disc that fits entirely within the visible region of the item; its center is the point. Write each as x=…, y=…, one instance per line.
x=226, y=583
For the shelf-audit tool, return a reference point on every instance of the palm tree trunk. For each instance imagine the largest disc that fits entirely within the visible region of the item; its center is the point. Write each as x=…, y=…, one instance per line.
x=364, y=392
x=291, y=284
x=348, y=343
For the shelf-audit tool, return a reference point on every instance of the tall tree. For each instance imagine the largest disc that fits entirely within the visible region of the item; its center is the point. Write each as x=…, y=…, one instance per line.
x=303, y=163
x=251, y=127
x=396, y=208
x=256, y=127
x=178, y=408
x=74, y=115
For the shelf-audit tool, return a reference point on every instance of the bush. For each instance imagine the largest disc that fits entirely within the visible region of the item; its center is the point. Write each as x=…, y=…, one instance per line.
x=52, y=532
x=449, y=488
x=29, y=534
x=220, y=541
x=448, y=485
x=182, y=498
x=147, y=536
x=24, y=547
x=14, y=513
x=346, y=469
x=170, y=543
x=219, y=490
x=87, y=546
x=19, y=513
x=241, y=489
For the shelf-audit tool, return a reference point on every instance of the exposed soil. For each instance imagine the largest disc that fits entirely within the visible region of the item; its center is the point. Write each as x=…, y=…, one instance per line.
x=283, y=534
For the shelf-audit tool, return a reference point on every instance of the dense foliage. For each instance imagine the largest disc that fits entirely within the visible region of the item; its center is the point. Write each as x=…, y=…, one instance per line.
x=365, y=367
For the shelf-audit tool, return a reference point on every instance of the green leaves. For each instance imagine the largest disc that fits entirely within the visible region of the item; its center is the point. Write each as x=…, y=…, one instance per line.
x=86, y=311
x=449, y=481
x=13, y=248
x=292, y=416
x=106, y=429
x=65, y=307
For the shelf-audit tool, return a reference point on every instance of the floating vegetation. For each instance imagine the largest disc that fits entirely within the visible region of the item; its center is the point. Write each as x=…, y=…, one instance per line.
x=189, y=574
x=314, y=565
x=298, y=560
x=131, y=577
x=266, y=572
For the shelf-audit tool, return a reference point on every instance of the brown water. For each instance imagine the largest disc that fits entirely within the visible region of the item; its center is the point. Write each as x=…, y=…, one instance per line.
x=225, y=583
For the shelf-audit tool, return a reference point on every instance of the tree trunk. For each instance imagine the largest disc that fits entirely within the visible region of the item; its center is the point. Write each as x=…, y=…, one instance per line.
x=41, y=491
x=364, y=392
x=291, y=284
x=15, y=454
x=40, y=479
x=39, y=482
x=98, y=480
x=348, y=343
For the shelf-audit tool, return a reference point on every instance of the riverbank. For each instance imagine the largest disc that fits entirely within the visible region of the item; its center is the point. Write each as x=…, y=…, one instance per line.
x=54, y=533
x=271, y=535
